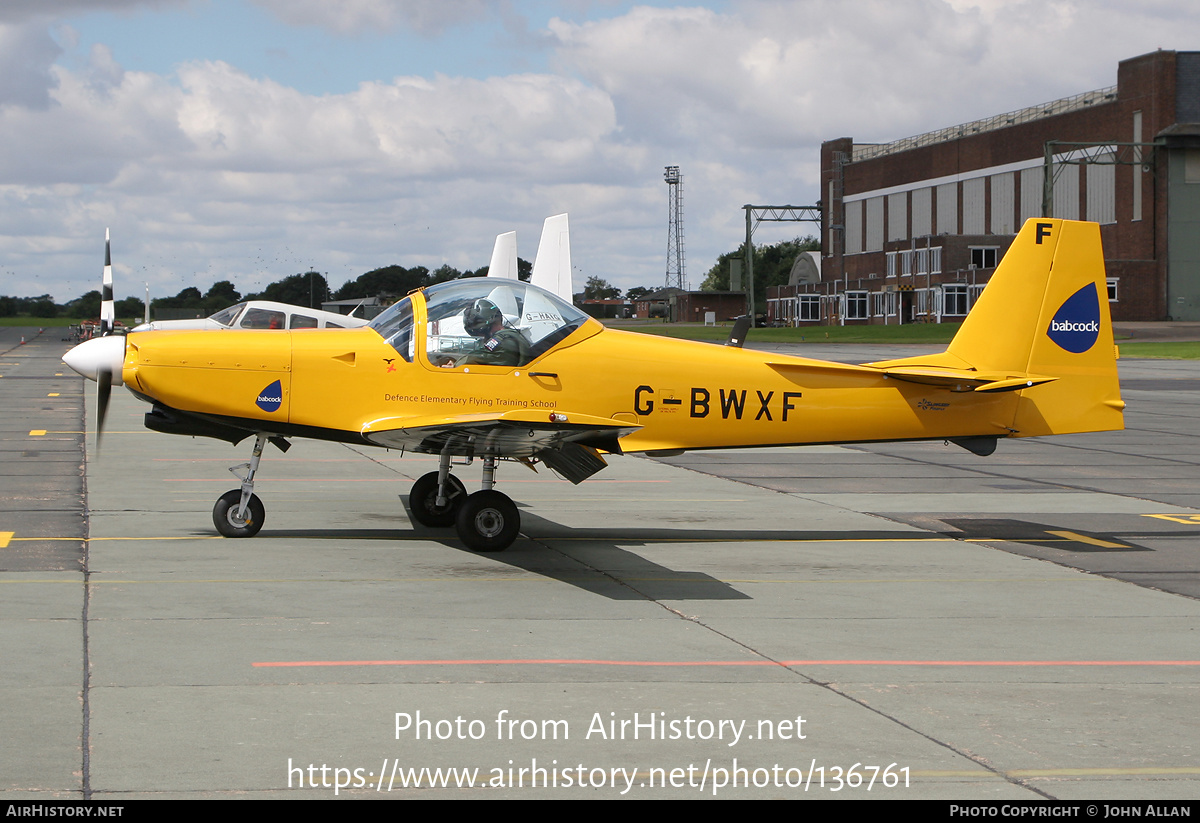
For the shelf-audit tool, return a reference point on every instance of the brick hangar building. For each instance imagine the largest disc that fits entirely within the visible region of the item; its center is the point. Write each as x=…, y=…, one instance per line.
x=913, y=229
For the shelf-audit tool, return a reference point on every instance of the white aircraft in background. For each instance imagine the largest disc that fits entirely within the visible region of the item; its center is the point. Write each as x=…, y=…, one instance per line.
x=551, y=267
x=551, y=271
x=260, y=314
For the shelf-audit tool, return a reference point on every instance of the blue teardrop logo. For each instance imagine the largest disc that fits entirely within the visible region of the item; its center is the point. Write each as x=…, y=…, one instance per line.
x=1077, y=324
x=270, y=398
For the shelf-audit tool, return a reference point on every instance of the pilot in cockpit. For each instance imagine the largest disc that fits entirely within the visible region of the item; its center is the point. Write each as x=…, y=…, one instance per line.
x=496, y=345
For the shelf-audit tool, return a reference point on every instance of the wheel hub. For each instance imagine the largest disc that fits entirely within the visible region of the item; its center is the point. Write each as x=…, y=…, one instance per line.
x=489, y=522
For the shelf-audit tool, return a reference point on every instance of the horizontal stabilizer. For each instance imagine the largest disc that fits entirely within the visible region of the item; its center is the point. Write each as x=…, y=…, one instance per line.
x=965, y=380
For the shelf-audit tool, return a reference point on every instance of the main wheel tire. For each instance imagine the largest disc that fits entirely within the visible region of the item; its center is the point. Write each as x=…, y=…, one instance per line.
x=225, y=515
x=488, y=521
x=422, y=500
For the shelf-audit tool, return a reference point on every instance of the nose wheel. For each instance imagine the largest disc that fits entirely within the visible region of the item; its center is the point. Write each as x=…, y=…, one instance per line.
x=229, y=520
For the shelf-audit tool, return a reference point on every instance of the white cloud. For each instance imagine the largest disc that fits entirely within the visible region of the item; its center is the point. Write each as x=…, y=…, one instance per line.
x=211, y=173
x=27, y=53
x=362, y=16
x=22, y=11
x=221, y=156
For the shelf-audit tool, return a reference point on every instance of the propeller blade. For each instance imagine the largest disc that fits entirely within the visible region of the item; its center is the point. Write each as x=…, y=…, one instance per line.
x=108, y=314
x=103, y=394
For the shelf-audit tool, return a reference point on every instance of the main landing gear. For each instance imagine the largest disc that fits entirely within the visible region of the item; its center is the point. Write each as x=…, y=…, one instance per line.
x=486, y=521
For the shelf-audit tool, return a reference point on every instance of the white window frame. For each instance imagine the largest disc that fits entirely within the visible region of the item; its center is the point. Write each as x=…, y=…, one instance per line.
x=857, y=307
x=955, y=296
x=983, y=255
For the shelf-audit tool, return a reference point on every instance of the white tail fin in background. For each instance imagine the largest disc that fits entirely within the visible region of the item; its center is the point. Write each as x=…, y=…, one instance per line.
x=552, y=266
x=504, y=256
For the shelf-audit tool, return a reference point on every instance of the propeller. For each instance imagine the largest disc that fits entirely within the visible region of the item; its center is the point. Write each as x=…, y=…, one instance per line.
x=108, y=316
x=101, y=358
x=103, y=393
x=108, y=313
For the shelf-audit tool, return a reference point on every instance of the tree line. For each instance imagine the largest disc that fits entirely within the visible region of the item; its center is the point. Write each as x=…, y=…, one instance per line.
x=772, y=265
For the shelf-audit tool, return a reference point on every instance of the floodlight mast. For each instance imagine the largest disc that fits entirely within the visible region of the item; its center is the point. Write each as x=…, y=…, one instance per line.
x=675, y=265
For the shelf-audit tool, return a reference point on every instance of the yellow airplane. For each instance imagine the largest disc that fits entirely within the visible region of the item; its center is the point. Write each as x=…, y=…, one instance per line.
x=495, y=369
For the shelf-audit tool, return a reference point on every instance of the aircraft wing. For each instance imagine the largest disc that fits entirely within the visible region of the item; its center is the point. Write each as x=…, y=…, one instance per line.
x=567, y=442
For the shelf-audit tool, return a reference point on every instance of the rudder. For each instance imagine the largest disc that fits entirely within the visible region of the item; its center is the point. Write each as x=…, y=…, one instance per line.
x=1045, y=314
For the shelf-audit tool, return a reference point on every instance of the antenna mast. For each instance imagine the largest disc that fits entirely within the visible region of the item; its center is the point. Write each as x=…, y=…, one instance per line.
x=675, y=268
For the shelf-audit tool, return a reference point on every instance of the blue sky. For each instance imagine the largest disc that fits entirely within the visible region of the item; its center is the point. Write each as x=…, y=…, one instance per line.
x=251, y=139
x=307, y=57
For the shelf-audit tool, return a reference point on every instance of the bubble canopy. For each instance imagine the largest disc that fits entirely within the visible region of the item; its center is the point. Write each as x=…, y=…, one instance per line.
x=542, y=318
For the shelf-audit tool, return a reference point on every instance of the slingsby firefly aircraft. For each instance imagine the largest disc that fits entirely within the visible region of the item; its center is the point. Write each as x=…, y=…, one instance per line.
x=498, y=370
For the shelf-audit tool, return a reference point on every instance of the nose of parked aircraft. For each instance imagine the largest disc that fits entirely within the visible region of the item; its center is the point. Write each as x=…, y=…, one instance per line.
x=100, y=354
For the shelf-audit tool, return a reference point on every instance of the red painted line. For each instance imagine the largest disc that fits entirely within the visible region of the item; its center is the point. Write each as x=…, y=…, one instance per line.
x=702, y=663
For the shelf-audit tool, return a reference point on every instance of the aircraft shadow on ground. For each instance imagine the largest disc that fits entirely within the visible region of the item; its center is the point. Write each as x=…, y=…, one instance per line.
x=600, y=560
x=1036, y=534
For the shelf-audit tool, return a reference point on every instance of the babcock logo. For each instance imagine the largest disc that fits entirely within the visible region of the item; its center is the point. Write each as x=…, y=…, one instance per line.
x=1077, y=324
x=270, y=398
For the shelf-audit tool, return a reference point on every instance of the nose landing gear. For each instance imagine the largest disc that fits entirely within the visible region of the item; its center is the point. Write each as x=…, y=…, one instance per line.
x=239, y=512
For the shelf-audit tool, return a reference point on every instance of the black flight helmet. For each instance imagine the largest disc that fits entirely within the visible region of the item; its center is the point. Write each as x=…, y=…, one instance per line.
x=479, y=317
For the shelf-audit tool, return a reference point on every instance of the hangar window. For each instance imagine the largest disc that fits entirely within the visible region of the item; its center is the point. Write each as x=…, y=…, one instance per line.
x=810, y=306
x=883, y=304
x=856, y=305
x=954, y=299
x=984, y=257
x=1112, y=289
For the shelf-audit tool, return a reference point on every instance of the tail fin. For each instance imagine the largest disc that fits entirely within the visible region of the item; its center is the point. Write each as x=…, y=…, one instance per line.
x=552, y=266
x=1045, y=314
x=504, y=256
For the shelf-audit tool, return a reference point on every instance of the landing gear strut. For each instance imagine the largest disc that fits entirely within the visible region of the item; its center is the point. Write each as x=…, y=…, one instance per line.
x=436, y=496
x=239, y=512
